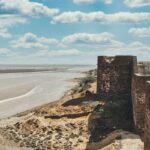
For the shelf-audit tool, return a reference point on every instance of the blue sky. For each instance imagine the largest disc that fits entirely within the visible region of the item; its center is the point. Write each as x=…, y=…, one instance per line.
x=72, y=31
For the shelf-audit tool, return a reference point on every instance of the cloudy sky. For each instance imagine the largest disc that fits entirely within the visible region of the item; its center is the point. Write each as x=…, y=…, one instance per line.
x=72, y=31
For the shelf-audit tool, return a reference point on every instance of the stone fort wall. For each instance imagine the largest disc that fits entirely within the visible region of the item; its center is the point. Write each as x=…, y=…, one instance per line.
x=147, y=119
x=114, y=76
x=122, y=76
x=139, y=100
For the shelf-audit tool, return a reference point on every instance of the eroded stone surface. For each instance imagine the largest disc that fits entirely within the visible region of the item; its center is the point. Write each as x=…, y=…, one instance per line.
x=123, y=77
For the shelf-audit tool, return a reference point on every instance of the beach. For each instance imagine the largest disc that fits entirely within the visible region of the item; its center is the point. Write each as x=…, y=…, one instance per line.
x=66, y=124
x=31, y=86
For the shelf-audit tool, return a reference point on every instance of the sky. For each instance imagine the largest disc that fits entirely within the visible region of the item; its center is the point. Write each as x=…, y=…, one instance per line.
x=73, y=31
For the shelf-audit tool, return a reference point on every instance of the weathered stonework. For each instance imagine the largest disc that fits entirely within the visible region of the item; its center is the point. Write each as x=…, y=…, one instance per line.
x=123, y=77
x=144, y=68
x=138, y=100
x=141, y=68
x=114, y=76
x=147, y=119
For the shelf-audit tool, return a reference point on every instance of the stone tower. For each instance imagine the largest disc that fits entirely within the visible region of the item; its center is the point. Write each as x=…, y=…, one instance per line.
x=114, y=76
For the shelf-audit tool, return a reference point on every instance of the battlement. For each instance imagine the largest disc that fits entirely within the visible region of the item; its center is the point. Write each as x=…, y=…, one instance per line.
x=123, y=77
x=116, y=60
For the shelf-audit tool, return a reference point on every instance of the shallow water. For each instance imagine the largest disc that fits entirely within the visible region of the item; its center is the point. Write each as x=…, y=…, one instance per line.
x=23, y=91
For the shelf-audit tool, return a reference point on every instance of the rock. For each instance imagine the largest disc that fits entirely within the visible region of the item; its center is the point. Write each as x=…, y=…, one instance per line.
x=71, y=136
x=49, y=132
x=16, y=140
x=58, y=129
x=24, y=135
x=80, y=140
x=119, y=137
x=88, y=93
x=44, y=129
x=21, y=144
x=17, y=125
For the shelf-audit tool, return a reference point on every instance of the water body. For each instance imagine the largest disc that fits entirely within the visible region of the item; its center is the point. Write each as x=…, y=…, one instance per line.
x=34, y=85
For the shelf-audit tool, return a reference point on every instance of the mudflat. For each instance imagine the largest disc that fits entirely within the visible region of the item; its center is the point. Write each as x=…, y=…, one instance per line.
x=26, y=90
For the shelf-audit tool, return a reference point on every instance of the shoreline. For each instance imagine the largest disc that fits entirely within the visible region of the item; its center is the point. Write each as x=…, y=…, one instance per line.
x=64, y=124
x=65, y=97
x=43, y=93
x=37, y=68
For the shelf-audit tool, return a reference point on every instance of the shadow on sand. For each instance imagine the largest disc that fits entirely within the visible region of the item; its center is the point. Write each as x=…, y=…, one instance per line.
x=114, y=115
x=107, y=116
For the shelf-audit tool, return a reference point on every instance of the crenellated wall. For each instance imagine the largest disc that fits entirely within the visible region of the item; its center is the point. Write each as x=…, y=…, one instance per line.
x=123, y=77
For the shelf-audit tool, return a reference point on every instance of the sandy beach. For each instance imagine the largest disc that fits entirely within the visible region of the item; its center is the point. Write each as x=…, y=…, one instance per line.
x=26, y=90
x=66, y=124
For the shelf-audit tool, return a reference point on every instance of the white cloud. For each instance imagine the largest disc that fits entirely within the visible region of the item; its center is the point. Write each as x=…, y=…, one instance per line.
x=10, y=20
x=140, y=32
x=7, y=21
x=88, y=38
x=30, y=40
x=6, y=52
x=91, y=1
x=3, y=51
x=18, y=11
x=4, y=33
x=105, y=44
x=136, y=48
x=101, y=17
x=58, y=53
x=26, y=8
x=136, y=45
x=137, y=3
x=85, y=45
x=101, y=39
